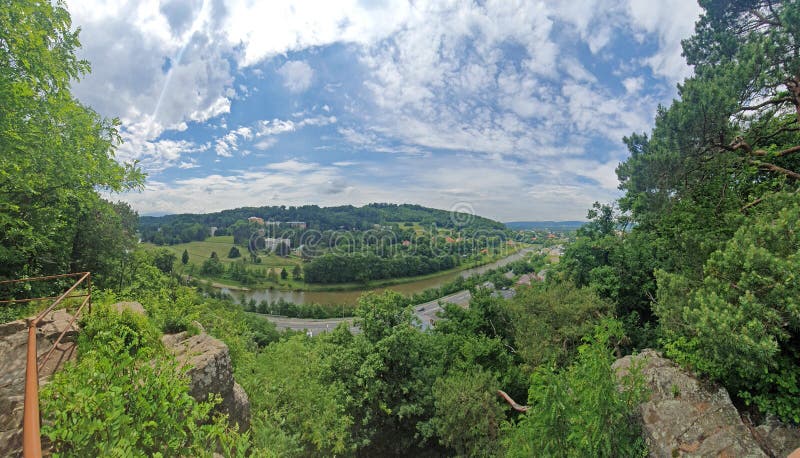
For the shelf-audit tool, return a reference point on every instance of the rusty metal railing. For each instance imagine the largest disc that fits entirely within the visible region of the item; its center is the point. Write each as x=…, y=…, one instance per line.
x=31, y=436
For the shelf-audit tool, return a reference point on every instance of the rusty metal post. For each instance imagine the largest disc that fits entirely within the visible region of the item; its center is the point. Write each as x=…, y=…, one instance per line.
x=90, y=292
x=31, y=439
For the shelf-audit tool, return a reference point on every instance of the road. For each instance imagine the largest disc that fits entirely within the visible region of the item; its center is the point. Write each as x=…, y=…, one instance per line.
x=426, y=313
x=308, y=324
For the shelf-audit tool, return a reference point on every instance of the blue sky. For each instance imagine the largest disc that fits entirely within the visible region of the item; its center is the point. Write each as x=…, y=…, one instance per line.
x=512, y=109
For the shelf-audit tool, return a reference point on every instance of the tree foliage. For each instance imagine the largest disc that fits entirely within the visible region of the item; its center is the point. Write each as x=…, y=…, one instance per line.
x=581, y=411
x=54, y=152
x=741, y=325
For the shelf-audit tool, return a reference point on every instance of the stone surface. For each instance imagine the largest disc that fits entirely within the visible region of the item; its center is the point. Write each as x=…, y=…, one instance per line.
x=134, y=307
x=780, y=439
x=210, y=371
x=13, y=351
x=685, y=417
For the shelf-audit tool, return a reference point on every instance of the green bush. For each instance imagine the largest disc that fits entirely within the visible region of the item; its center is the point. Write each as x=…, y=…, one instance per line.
x=124, y=397
x=741, y=325
x=580, y=411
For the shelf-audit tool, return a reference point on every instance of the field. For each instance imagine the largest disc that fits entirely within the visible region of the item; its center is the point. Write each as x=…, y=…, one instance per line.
x=200, y=251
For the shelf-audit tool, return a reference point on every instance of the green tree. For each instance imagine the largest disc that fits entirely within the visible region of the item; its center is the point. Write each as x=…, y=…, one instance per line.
x=284, y=274
x=297, y=272
x=55, y=154
x=185, y=257
x=551, y=320
x=741, y=324
x=164, y=259
x=468, y=413
x=234, y=252
x=581, y=411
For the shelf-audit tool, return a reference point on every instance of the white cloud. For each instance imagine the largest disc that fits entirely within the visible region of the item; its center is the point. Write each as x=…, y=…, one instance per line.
x=501, y=80
x=633, y=85
x=265, y=144
x=293, y=166
x=156, y=156
x=297, y=75
x=229, y=143
x=671, y=22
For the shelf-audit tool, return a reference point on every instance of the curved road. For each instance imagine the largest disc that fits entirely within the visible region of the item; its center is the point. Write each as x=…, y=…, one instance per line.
x=426, y=313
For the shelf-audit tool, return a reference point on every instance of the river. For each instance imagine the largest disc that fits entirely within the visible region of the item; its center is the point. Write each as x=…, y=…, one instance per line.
x=350, y=297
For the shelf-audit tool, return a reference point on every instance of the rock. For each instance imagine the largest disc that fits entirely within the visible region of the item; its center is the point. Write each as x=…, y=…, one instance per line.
x=685, y=417
x=210, y=371
x=134, y=307
x=13, y=351
x=780, y=439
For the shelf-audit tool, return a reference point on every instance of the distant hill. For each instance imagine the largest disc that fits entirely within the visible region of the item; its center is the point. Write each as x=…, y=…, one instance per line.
x=186, y=227
x=551, y=225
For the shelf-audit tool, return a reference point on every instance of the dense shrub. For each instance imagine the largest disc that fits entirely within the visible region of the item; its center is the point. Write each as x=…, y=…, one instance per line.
x=580, y=411
x=125, y=397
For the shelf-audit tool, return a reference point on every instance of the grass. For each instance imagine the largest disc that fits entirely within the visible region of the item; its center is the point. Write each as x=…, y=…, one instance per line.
x=200, y=251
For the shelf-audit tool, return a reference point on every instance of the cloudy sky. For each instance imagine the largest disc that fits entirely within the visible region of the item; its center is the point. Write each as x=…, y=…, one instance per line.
x=515, y=109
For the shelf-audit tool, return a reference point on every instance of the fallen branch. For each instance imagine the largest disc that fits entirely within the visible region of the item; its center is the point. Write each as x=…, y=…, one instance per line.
x=511, y=402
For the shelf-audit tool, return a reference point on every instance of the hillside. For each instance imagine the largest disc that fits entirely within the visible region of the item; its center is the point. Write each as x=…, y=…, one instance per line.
x=546, y=225
x=345, y=217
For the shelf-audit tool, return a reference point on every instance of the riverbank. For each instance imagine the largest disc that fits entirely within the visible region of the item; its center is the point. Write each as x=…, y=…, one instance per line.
x=350, y=297
x=293, y=286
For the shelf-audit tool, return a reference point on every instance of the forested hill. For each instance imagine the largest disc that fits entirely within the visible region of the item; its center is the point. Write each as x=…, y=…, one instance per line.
x=327, y=218
x=551, y=225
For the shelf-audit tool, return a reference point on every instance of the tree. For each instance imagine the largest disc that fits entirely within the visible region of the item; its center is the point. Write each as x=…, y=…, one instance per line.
x=164, y=259
x=282, y=249
x=741, y=324
x=185, y=257
x=234, y=252
x=730, y=140
x=284, y=274
x=297, y=272
x=468, y=414
x=581, y=411
x=214, y=255
x=55, y=154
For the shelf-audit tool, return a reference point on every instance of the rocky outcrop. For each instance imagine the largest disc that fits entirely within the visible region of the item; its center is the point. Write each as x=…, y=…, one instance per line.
x=779, y=439
x=13, y=351
x=210, y=371
x=686, y=417
x=130, y=306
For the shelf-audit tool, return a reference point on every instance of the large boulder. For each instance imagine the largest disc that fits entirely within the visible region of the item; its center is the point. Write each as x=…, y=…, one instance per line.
x=780, y=439
x=13, y=351
x=686, y=417
x=209, y=363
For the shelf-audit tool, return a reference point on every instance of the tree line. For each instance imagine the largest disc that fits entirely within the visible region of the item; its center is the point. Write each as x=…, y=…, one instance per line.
x=345, y=217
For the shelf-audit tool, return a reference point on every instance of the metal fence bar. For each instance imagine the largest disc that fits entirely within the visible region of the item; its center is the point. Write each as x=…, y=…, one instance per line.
x=58, y=301
x=31, y=436
x=20, y=301
x=63, y=333
x=31, y=433
x=47, y=277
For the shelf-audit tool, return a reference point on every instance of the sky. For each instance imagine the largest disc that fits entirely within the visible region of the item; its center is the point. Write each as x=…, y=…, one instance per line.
x=514, y=110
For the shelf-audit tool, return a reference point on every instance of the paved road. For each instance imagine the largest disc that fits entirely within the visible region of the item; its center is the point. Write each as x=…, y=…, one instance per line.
x=308, y=324
x=425, y=312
